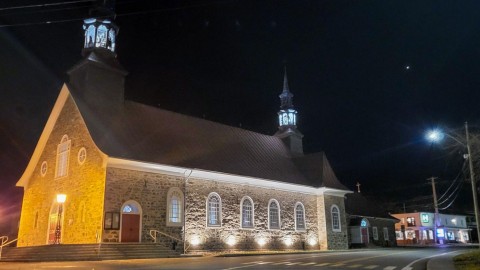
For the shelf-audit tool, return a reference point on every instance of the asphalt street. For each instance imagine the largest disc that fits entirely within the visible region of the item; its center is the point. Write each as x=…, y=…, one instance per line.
x=386, y=259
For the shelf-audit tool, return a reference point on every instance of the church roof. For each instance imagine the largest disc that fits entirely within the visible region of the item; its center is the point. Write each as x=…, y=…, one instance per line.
x=358, y=205
x=140, y=132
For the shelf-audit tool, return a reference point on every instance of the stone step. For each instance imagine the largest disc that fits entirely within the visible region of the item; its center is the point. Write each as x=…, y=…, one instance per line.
x=87, y=252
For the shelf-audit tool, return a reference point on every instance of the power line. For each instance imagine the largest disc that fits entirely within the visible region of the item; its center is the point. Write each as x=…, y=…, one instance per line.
x=45, y=5
x=117, y=15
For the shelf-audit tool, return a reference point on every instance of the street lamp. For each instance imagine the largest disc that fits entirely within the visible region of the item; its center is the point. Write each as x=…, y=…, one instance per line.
x=437, y=135
x=61, y=198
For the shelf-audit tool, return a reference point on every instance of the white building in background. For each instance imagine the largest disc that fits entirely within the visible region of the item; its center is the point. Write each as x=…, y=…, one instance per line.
x=419, y=228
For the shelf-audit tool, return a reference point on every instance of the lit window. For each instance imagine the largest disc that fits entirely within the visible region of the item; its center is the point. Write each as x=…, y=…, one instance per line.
x=175, y=206
x=336, y=226
x=410, y=221
x=299, y=216
x=63, y=151
x=102, y=33
x=247, y=212
x=273, y=215
x=214, y=210
x=127, y=209
x=90, y=36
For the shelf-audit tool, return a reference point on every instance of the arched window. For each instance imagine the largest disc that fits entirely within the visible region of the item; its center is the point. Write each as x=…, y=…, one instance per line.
x=102, y=33
x=90, y=37
x=63, y=153
x=111, y=40
x=299, y=216
x=336, y=226
x=175, y=207
x=247, y=212
x=214, y=210
x=273, y=214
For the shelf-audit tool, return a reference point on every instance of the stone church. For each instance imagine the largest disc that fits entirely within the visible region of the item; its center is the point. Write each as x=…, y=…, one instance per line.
x=106, y=169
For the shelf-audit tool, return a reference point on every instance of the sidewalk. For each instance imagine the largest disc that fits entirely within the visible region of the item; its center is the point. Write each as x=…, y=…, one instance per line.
x=443, y=262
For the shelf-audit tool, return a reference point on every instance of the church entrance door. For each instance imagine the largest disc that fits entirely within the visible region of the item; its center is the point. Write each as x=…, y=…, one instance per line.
x=131, y=222
x=364, y=235
x=130, y=228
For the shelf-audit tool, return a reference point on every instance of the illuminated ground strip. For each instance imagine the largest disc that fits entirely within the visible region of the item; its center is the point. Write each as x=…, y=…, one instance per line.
x=336, y=264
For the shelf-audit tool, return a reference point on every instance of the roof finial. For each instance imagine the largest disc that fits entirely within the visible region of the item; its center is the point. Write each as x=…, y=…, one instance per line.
x=358, y=187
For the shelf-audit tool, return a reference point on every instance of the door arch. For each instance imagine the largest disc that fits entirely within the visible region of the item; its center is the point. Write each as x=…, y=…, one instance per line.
x=55, y=222
x=130, y=222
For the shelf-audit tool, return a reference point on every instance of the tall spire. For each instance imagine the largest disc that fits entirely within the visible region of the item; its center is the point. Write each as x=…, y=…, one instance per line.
x=287, y=115
x=286, y=96
x=287, y=120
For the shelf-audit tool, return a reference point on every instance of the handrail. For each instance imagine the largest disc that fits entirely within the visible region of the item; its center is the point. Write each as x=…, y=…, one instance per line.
x=153, y=234
x=4, y=242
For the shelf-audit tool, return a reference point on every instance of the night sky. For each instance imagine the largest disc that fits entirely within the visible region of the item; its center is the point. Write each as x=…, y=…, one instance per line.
x=369, y=78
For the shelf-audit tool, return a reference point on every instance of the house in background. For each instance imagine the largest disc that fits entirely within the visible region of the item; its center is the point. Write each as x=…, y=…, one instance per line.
x=368, y=223
x=419, y=228
x=108, y=170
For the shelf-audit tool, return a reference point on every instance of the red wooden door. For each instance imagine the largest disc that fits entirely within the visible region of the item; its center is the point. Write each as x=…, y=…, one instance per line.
x=365, y=235
x=130, y=228
x=52, y=226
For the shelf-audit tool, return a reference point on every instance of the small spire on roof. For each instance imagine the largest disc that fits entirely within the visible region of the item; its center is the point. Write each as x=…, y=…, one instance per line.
x=358, y=187
x=285, y=81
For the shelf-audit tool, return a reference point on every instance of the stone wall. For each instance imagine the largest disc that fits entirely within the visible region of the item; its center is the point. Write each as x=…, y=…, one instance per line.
x=84, y=187
x=258, y=237
x=335, y=240
x=150, y=191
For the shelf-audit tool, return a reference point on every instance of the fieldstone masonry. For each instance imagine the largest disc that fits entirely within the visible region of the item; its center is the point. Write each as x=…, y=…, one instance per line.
x=83, y=185
x=150, y=191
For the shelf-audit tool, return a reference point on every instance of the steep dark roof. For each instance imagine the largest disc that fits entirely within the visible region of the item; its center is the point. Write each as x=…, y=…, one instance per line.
x=359, y=205
x=139, y=132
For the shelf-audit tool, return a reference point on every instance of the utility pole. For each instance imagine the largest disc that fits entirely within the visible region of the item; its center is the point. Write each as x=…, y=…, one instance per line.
x=435, y=204
x=472, y=180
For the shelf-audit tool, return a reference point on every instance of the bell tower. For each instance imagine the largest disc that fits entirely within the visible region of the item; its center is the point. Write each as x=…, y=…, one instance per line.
x=287, y=121
x=98, y=78
x=100, y=30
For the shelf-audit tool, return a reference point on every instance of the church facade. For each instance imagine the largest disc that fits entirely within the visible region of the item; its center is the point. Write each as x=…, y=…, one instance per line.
x=106, y=169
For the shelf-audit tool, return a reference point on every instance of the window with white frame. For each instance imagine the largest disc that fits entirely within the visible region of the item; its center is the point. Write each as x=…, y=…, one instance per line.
x=336, y=226
x=385, y=233
x=273, y=214
x=247, y=212
x=299, y=216
x=214, y=210
x=63, y=152
x=175, y=207
x=375, y=233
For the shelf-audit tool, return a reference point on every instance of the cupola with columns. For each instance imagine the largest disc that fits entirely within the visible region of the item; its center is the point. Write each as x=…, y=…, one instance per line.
x=99, y=78
x=100, y=30
x=287, y=121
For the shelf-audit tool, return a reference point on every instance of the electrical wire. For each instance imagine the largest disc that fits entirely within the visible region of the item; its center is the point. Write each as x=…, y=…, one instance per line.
x=454, y=181
x=45, y=5
x=117, y=15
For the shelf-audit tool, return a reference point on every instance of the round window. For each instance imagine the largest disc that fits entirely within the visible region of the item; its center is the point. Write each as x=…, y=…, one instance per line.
x=43, y=168
x=82, y=155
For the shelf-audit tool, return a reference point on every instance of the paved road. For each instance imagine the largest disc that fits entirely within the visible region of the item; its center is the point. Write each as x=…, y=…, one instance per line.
x=379, y=259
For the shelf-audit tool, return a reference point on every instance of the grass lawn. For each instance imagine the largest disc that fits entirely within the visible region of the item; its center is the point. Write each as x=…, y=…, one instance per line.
x=467, y=261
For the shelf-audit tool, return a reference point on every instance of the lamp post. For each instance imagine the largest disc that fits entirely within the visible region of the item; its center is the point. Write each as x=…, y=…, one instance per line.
x=58, y=230
x=436, y=136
